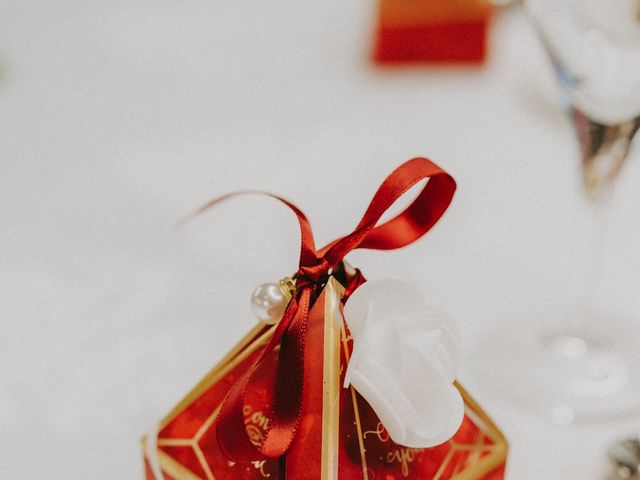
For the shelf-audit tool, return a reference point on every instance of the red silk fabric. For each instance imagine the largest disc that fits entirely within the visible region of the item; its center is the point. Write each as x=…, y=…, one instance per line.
x=314, y=268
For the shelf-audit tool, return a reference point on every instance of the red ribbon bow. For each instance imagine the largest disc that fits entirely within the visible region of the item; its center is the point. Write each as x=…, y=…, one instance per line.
x=314, y=268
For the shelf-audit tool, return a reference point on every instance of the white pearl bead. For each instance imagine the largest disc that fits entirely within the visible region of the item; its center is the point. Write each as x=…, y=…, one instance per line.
x=269, y=302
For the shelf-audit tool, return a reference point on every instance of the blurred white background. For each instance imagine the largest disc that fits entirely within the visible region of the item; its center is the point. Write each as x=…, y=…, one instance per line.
x=116, y=118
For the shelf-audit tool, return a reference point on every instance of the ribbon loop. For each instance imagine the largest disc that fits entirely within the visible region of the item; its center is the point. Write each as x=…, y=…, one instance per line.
x=308, y=254
x=411, y=223
x=314, y=267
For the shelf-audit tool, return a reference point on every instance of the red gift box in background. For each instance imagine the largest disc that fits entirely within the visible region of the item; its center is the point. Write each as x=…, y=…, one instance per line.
x=432, y=31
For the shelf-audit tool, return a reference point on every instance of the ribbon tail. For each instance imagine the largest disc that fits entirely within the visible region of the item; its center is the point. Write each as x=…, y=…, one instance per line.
x=287, y=407
x=231, y=431
x=230, y=427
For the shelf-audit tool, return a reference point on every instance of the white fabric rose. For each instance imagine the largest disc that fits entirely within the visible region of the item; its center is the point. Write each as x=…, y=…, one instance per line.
x=404, y=361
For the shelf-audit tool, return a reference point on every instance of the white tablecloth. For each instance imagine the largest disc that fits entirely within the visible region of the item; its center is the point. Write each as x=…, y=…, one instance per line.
x=118, y=117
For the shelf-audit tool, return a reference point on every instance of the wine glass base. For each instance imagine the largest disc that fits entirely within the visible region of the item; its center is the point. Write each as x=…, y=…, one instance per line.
x=589, y=374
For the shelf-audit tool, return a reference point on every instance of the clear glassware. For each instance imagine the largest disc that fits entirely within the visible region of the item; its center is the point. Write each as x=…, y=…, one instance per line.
x=582, y=364
x=594, y=46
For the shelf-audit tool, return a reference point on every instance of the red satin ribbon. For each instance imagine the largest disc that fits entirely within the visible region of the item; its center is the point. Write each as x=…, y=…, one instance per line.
x=314, y=268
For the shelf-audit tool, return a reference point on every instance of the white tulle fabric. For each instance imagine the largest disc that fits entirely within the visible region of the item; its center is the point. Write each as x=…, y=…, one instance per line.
x=404, y=361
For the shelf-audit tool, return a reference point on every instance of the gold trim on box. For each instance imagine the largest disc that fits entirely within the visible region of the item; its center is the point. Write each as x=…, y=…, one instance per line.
x=175, y=469
x=333, y=323
x=241, y=351
x=354, y=401
x=499, y=448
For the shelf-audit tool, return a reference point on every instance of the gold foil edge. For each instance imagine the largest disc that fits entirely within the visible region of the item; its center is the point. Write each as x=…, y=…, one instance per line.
x=235, y=356
x=175, y=469
x=354, y=401
x=331, y=380
x=498, y=456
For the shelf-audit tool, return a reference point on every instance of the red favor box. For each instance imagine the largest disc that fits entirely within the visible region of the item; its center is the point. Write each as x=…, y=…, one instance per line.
x=432, y=31
x=339, y=436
